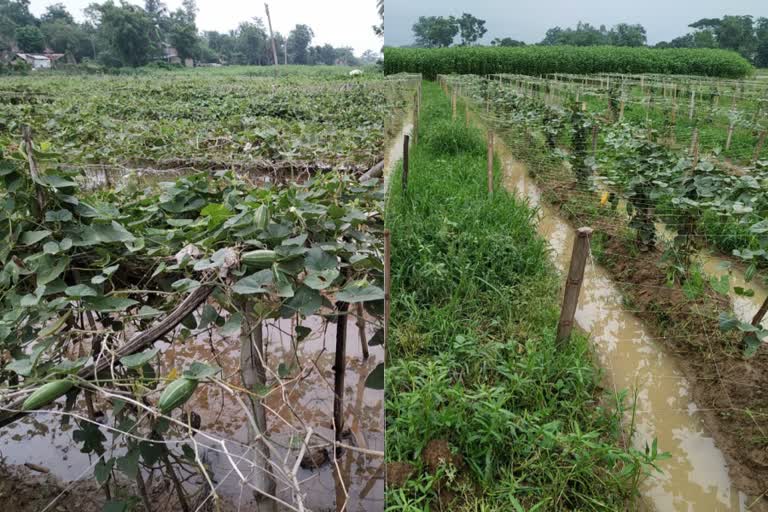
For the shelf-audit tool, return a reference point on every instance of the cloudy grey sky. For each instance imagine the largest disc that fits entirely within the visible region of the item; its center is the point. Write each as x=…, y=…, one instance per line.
x=529, y=20
x=337, y=22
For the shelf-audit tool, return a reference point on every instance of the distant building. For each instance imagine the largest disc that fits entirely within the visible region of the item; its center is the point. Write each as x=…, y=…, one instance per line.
x=39, y=61
x=35, y=60
x=171, y=54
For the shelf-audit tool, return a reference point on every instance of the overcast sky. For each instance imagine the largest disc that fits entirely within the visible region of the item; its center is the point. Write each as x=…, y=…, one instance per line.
x=529, y=20
x=337, y=22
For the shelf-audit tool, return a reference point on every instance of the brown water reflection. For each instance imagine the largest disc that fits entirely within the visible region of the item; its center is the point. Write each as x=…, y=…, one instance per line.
x=306, y=399
x=695, y=477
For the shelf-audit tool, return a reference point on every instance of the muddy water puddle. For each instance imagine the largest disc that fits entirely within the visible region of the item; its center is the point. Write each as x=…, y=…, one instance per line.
x=695, y=477
x=305, y=399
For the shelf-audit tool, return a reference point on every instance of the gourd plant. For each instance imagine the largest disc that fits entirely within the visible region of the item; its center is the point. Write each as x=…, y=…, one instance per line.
x=580, y=128
x=90, y=280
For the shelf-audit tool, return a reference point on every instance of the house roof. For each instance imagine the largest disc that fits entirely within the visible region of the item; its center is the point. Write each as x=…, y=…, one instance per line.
x=32, y=56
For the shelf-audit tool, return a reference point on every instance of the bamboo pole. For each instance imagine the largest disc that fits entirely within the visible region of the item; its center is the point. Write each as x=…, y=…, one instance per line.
x=387, y=282
x=692, y=107
x=730, y=136
x=759, y=147
x=595, y=129
x=272, y=36
x=406, y=140
x=453, y=104
x=361, y=329
x=695, y=148
x=466, y=114
x=253, y=375
x=416, y=120
x=758, y=318
x=340, y=367
x=490, y=163
x=573, y=284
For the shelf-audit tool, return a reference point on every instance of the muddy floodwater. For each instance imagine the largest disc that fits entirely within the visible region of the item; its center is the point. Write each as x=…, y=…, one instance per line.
x=41, y=439
x=695, y=477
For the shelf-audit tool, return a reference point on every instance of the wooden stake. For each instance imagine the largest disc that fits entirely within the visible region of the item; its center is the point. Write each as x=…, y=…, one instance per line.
x=466, y=114
x=595, y=129
x=339, y=367
x=692, y=108
x=695, y=148
x=416, y=121
x=759, y=147
x=272, y=36
x=453, y=105
x=361, y=329
x=387, y=282
x=730, y=137
x=490, y=163
x=573, y=284
x=673, y=124
x=621, y=111
x=406, y=139
x=758, y=319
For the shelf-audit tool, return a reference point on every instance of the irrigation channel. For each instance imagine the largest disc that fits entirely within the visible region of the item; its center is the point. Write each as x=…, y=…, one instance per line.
x=695, y=476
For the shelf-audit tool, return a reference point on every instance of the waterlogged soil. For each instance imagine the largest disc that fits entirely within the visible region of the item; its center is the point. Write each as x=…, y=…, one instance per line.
x=730, y=391
x=355, y=478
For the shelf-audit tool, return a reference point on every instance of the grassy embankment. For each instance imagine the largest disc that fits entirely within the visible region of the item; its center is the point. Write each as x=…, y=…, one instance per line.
x=473, y=363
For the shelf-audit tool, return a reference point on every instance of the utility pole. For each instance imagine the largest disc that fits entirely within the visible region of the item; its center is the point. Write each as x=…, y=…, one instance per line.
x=272, y=36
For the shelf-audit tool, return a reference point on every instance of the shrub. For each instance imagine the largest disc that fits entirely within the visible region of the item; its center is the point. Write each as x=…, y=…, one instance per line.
x=539, y=60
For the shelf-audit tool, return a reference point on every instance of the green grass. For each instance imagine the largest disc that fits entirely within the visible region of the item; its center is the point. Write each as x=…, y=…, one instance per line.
x=472, y=357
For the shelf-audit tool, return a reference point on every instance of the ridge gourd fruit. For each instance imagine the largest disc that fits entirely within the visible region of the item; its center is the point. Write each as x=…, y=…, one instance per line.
x=176, y=393
x=259, y=259
x=46, y=394
x=261, y=217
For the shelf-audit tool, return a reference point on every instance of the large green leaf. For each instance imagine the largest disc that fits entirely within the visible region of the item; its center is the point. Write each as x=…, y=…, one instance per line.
x=375, y=379
x=107, y=304
x=140, y=359
x=199, y=371
x=255, y=283
x=32, y=237
x=49, y=268
x=360, y=291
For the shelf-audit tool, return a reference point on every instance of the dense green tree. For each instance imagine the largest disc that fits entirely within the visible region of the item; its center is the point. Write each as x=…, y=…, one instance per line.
x=57, y=12
x=127, y=30
x=506, y=41
x=583, y=35
x=17, y=11
x=470, y=29
x=182, y=33
x=298, y=44
x=30, y=39
x=325, y=54
x=729, y=32
x=435, y=31
x=379, y=29
x=345, y=56
x=624, y=34
x=63, y=37
x=370, y=57
x=761, y=35
x=251, y=43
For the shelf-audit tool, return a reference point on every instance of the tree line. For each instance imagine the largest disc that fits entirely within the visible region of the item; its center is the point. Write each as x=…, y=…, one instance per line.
x=746, y=35
x=123, y=34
